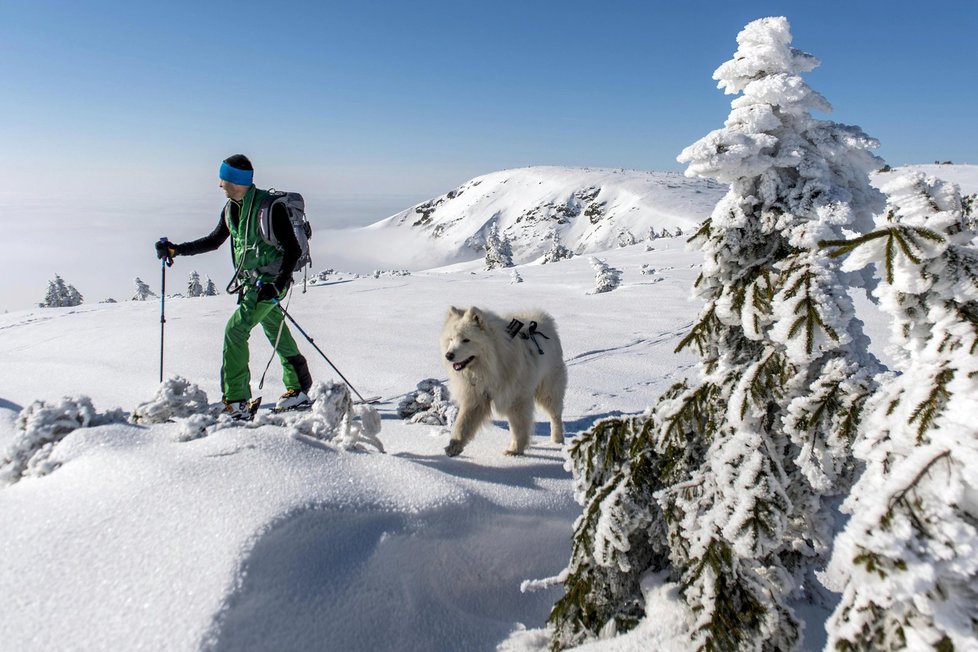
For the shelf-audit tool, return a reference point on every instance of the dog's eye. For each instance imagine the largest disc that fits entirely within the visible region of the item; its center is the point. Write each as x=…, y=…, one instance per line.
x=465, y=341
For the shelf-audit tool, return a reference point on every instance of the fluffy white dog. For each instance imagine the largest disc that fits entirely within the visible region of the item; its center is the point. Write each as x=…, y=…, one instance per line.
x=503, y=363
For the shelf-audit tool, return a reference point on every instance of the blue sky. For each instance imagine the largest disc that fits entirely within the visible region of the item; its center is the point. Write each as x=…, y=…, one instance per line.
x=372, y=106
x=440, y=86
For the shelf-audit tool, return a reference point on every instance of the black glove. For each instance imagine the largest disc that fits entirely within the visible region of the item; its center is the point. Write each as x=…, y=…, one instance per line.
x=268, y=292
x=165, y=249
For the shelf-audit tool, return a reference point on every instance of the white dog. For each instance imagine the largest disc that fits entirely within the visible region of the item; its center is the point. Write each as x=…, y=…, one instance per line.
x=503, y=363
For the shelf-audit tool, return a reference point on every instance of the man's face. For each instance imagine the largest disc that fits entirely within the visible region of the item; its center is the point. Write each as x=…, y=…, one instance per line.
x=233, y=190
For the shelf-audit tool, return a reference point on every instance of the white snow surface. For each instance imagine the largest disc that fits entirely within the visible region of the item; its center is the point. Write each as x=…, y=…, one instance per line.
x=136, y=536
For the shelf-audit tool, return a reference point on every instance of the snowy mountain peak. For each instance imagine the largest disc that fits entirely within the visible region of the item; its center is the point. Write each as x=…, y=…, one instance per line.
x=583, y=210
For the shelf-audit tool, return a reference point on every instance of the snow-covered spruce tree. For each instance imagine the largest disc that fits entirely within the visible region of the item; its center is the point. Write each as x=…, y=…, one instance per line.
x=499, y=252
x=61, y=295
x=209, y=289
x=738, y=463
x=907, y=562
x=142, y=291
x=194, y=288
x=557, y=250
x=606, y=277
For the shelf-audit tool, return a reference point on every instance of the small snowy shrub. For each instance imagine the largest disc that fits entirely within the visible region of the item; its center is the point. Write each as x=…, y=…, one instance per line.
x=626, y=238
x=430, y=404
x=333, y=417
x=175, y=398
x=42, y=425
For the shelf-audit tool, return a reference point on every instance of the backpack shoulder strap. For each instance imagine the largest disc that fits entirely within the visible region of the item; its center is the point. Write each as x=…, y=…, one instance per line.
x=268, y=199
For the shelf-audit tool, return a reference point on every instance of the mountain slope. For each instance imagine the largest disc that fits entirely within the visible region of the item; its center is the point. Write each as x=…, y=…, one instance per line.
x=585, y=209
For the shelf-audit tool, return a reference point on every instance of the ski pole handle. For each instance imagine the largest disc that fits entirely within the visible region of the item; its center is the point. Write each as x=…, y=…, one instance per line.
x=164, y=245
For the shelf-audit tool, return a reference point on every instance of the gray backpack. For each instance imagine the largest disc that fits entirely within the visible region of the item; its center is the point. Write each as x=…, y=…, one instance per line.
x=295, y=206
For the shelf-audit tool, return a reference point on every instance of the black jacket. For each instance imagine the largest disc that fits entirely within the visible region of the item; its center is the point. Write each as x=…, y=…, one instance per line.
x=281, y=226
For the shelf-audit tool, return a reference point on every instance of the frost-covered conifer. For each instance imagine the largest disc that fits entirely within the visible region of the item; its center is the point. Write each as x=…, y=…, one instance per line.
x=499, y=252
x=557, y=250
x=626, y=238
x=74, y=297
x=61, y=295
x=606, y=277
x=194, y=288
x=209, y=289
x=737, y=464
x=907, y=562
x=142, y=291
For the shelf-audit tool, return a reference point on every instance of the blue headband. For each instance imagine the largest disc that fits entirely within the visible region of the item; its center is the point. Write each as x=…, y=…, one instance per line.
x=236, y=176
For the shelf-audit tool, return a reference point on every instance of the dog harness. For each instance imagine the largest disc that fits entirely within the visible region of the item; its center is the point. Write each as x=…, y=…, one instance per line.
x=516, y=327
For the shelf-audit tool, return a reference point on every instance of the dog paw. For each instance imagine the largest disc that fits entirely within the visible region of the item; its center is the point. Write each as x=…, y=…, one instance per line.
x=512, y=453
x=454, y=448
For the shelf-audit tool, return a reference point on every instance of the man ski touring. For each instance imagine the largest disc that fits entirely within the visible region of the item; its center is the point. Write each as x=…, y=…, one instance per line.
x=263, y=274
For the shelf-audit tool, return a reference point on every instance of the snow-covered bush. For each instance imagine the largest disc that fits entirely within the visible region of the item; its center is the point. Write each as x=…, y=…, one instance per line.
x=515, y=278
x=41, y=426
x=333, y=417
x=606, y=278
x=175, y=398
x=60, y=295
x=907, y=562
x=724, y=484
x=430, y=404
x=626, y=238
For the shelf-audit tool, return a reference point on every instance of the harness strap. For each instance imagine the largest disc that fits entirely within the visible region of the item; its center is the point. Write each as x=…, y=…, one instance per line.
x=515, y=328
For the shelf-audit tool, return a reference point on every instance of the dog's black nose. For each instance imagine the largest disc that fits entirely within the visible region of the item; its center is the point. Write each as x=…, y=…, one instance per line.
x=450, y=356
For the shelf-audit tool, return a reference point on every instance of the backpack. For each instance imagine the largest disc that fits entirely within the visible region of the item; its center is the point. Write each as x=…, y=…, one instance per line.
x=296, y=208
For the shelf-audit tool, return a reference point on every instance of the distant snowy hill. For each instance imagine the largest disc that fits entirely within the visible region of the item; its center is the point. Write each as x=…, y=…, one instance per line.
x=966, y=176
x=586, y=209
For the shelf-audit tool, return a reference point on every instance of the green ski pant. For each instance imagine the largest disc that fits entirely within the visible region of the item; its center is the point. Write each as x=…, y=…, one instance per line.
x=235, y=371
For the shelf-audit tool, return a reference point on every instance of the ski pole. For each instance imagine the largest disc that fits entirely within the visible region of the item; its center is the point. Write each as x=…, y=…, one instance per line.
x=294, y=323
x=165, y=262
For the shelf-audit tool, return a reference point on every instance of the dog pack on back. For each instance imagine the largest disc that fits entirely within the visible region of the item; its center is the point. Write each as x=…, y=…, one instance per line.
x=295, y=206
